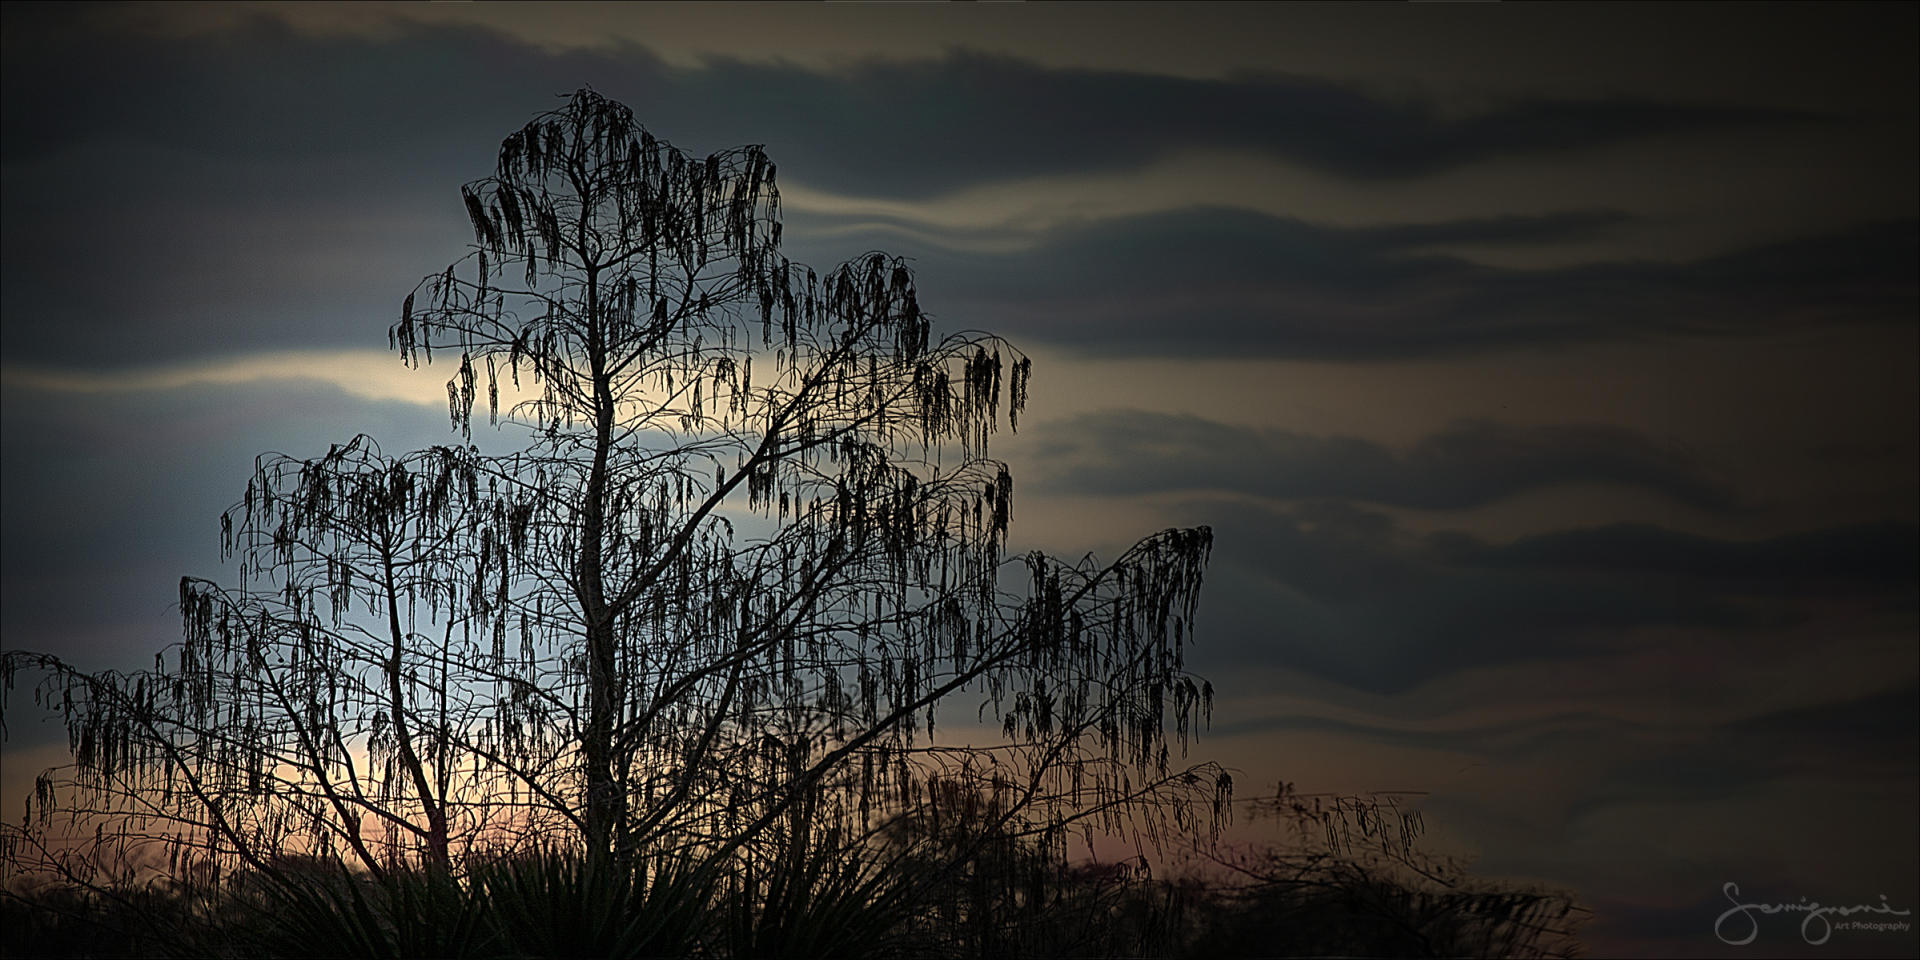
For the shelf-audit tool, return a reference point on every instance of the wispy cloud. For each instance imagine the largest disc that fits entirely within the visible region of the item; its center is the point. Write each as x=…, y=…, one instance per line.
x=1470, y=464
x=1202, y=282
x=367, y=374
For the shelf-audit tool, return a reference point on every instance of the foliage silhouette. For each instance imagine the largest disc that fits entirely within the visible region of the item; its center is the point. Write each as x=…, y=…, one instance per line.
x=1307, y=898
x=402, y=913
x=555, y=905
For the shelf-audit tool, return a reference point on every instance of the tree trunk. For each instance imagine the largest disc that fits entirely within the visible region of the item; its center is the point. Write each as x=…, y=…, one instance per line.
x=606, y=807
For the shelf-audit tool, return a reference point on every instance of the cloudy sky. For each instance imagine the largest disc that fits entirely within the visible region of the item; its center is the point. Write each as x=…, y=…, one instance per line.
x=1548, y=374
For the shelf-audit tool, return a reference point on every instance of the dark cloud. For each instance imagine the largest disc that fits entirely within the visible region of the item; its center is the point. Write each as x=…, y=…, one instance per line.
x=264, y=187
x=1503, y=738
x=914, y=128
x=880, y=126
x=266, y=92
x=1867, y=736
x=252, y=270
x=1870, y=734
x=1343, y=593
x=1218, y=281
x=1470, y=464
x=1864, y=737
x=1879, y=555
x=111, y=498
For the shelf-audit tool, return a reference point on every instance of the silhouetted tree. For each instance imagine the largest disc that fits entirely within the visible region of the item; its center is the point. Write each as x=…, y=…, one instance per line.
x=750, y=552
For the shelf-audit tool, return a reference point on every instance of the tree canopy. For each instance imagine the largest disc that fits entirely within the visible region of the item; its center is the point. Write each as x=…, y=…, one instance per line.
x=745, y=578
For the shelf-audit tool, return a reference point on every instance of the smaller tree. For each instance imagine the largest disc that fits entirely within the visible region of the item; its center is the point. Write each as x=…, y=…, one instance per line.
x=1355, y=880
